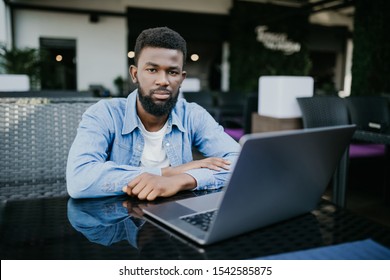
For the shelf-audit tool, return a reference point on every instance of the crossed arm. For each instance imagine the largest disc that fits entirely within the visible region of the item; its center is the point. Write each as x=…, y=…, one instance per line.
x=173, y=179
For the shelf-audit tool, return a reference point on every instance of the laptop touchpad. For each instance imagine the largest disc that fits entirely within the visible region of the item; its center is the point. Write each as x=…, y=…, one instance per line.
x=202, y=203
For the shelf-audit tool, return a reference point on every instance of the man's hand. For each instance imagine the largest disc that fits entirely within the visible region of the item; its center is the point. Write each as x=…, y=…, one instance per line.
x=211, y=163
x=174, y=179
x=149, y=186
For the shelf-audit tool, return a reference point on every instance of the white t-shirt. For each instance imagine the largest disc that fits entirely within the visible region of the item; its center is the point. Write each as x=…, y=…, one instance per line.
x=154, y=154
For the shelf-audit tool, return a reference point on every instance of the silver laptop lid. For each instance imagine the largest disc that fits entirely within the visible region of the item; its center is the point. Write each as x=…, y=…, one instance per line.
x=279, y=175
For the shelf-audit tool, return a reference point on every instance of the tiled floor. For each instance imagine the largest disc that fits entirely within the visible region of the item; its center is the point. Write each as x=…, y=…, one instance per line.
x=365, y=192
x=369, y=204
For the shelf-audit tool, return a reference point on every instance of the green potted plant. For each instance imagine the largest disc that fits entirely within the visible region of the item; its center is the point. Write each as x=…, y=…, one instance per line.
x=22, y=61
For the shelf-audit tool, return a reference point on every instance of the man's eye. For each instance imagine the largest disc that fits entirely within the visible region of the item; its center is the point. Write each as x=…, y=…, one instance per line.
x=151, y=70
x=173, y=73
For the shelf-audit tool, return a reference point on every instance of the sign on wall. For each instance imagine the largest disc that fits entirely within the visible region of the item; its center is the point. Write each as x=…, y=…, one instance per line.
x=276, y=41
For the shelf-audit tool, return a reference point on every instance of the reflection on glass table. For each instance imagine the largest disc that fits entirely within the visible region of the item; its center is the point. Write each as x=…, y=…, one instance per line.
x=104, y=221
x=113, y=228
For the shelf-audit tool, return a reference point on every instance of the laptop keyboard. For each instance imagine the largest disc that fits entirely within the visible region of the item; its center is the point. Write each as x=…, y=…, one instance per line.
x=200, y=220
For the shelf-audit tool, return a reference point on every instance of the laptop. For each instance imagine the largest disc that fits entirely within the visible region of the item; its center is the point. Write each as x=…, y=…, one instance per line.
x=277, y=176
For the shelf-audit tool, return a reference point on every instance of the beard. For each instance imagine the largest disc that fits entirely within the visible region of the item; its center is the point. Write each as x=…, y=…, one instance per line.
x=159, y=109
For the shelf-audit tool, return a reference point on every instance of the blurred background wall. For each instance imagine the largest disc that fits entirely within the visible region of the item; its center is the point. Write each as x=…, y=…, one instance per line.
x=90, y=42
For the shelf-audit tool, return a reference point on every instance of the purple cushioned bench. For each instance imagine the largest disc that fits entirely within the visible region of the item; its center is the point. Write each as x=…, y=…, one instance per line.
x=235, y=133
x=367, y=150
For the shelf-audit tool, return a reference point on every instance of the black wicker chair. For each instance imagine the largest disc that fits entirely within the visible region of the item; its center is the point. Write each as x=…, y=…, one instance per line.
x=319, y=111
x=372, y=113
x=369, y=112
x=35, y=137
x=206, y=99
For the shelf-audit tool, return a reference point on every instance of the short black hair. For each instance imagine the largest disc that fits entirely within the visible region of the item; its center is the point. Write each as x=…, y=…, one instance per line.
x=160, y=37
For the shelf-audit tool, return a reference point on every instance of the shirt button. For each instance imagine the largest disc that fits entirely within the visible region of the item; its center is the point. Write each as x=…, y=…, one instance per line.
x=167, y=144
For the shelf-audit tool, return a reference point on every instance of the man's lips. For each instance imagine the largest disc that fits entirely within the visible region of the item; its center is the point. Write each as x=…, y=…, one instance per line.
x=161, y=94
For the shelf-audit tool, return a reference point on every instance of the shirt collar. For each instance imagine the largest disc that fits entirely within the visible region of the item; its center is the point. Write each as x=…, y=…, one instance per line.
x=174, y=118
x=131, y=120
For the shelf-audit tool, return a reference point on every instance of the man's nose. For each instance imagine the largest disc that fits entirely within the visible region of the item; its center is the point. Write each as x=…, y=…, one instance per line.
x=162, y=79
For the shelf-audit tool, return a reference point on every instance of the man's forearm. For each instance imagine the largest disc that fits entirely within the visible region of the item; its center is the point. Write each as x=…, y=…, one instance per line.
x=212, y=163
x=185, y=181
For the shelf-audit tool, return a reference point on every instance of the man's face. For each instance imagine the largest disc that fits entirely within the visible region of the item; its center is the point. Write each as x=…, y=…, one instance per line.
x=159, y=74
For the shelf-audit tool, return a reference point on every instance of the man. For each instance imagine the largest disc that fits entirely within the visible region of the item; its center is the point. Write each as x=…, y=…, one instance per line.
x=142, y=145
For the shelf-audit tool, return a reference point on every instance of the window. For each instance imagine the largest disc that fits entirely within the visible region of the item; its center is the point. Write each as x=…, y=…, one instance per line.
x=59, y=67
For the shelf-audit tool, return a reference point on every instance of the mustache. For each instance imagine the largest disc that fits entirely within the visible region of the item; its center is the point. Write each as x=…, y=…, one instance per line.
x=160, y=89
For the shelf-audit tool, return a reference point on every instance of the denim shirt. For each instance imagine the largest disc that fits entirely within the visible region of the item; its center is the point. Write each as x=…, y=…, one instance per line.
x=106, y=153
x=104, y=221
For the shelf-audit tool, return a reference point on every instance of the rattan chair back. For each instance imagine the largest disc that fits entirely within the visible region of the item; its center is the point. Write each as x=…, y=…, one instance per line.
x=35, y=137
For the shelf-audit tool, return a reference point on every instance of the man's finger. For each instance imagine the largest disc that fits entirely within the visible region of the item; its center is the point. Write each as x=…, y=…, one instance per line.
x=152, y=196
x=127, y=190
x=135, y=181
x=146, y=190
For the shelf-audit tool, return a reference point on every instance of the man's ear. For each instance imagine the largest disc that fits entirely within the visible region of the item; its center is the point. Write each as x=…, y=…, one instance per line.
x=183, y=75
x=133, y=73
